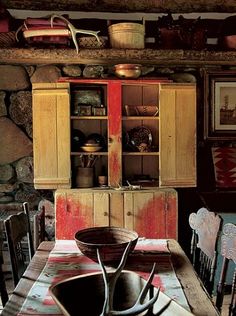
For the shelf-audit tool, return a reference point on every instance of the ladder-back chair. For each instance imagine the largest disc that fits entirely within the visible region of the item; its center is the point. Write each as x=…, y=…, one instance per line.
x=39, y=227
x=205, y=230
x=20, y=242
x=3, y=290
x=228, y=252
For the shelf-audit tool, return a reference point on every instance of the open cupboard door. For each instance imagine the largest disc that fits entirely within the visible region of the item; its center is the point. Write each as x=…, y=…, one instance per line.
x=177, y=135
x=51, y=135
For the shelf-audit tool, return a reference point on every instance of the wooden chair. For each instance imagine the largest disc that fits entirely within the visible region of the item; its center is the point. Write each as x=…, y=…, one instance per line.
x=39, y=227
x=228, y=251
x=3, y=290
x=20, y=242
x=205, y=229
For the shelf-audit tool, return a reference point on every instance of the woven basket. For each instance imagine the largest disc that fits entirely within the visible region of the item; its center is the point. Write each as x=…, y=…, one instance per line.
x=127, y=35
x=91, y=42
x=111, y=242
x=7, y=39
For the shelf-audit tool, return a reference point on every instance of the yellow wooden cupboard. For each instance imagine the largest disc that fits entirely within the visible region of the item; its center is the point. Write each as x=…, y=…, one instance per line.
x=168, y=161
x=172, y=162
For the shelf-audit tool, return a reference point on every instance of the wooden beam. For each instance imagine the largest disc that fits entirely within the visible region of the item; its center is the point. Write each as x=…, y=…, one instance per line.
x=124, y=6
x=114, y=56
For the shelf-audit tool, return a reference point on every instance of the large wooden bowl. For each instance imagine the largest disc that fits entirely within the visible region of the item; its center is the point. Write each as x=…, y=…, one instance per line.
x=111, y=242
x=84, y=295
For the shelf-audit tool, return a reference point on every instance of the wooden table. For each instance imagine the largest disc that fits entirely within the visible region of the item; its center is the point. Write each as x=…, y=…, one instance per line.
x=198, y=299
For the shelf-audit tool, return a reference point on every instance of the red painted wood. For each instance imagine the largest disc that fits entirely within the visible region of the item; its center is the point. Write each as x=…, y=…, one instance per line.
x=171, y=215
x=150, y=219
x=71, y=216
x=114, y=133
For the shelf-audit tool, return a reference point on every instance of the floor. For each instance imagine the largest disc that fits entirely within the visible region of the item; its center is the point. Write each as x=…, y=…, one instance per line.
x=10, y=287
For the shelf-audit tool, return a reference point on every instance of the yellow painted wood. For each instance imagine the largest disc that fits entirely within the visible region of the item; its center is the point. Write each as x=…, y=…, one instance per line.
x=51, y=135
x=117, y=209
x=128, y=211
x=101, y=209
x=178, y=135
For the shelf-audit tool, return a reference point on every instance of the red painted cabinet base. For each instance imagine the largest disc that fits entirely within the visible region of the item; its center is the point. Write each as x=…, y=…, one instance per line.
x=152, y=213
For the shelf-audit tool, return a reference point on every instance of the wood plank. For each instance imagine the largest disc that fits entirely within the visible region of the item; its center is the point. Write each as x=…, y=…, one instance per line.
x=115, y=56
x=114, y=134
x=129, y=211
x=101, y=209
x=195, y=292
x=77, y=208
x=178, y=135
x=150, y=6
x=117, y=209
x=51, y=106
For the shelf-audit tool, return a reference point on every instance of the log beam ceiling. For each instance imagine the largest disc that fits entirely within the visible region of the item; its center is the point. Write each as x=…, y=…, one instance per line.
x=124, y=6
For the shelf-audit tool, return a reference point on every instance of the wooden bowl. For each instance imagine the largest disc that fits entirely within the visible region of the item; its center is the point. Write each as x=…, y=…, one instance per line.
x=91, y=148
x=111, y=242
x=128, y=71
x=84, y=295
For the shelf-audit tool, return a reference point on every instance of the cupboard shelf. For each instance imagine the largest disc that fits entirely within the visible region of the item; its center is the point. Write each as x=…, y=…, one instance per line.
x=136, y=118
x=125, y=153
x=89, y=117
x=97, y=153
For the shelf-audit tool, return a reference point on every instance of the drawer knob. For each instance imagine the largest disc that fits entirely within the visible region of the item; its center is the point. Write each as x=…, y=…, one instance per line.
x=129, y=213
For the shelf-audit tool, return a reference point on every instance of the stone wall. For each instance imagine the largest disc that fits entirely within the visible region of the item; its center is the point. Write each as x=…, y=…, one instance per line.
x=16, y=144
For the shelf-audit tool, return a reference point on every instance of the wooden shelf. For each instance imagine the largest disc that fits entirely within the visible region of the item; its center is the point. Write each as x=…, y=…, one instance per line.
x=97, y=153
x=151, y=153
x=102, y=117
x=114, y=56
x=139, y=117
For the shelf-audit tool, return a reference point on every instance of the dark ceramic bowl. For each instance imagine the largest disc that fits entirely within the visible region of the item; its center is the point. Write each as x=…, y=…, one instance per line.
x=111, y=242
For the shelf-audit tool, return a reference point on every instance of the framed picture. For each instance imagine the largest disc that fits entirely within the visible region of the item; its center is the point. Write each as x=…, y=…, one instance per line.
x=84, y=110
x=220, y=105
x=99, y=111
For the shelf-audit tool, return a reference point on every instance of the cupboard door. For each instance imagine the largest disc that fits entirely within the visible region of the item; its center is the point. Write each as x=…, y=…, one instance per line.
x=101, y=209
x=178, y=135
x=51, y=135
x=77, y=209
x=151, y=214
x=74, y=211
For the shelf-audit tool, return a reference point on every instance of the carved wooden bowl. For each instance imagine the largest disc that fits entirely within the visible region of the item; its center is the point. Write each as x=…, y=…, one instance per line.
x=84, y=295
x=111, y=242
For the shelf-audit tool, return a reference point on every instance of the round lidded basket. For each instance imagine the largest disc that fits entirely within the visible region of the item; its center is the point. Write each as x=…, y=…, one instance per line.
x=127, y=35
x=111, y=242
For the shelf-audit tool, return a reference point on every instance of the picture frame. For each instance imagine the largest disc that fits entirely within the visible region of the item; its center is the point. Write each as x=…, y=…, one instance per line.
x=84, y=110
x=99, y=111
x=220, y=105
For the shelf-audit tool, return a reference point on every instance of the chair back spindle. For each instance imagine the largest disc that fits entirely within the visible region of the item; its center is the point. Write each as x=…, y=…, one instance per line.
x=205, y=230
x=228, y=252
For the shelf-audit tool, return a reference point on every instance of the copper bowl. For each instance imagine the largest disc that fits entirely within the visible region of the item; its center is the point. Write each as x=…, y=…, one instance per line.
x=129, y=71
x=111, y=242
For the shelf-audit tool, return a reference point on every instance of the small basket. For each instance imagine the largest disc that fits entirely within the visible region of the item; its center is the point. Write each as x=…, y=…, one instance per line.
x=127, y=35
x=92, y=42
